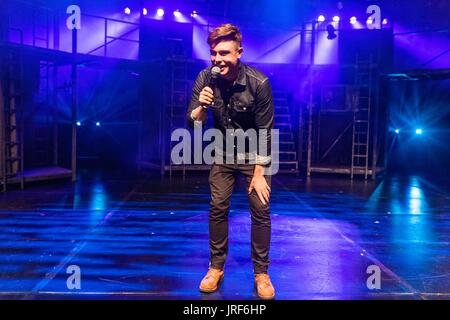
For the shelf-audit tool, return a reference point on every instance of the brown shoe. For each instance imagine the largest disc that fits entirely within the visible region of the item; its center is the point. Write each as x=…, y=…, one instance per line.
x=211, y=281
x=264, y=287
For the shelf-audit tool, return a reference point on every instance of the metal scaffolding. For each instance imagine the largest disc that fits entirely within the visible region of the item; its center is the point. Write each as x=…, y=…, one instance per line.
x=40, y=147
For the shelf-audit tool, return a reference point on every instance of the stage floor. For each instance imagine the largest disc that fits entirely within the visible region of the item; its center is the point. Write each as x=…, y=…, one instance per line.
x=147, y=238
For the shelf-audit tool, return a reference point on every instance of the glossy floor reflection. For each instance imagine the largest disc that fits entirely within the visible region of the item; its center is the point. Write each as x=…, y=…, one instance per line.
x=147, y=238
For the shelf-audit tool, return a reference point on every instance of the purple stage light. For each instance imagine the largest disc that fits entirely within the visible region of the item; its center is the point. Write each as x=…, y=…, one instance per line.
x=336, y=18
x=127, y=10
x=321, y=18
x=385, y=21
x=144, y=11
x=177, y=13
x=160, y=12
x=194, y=14
x=353, y=20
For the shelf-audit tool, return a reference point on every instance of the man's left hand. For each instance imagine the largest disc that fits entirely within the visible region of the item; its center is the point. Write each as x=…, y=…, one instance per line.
x=259, y=184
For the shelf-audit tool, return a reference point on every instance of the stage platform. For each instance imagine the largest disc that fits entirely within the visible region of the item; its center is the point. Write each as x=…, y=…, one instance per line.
x=146, y=237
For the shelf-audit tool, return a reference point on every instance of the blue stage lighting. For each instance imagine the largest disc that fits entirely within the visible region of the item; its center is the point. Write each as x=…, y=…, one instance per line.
x=97, y=124
x=336, y=18
x=419, y=131
x=321, y=18
x=127, y=10
x=353, y=20
x=177, y=13
x=79, y=123
x=397, y=131
x=144, y=11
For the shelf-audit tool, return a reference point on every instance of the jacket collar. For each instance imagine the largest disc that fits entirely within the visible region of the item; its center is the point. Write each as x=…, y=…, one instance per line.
x=241, y=79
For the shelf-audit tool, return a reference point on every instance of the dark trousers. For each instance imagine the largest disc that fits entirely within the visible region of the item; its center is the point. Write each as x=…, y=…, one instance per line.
x=222, y=179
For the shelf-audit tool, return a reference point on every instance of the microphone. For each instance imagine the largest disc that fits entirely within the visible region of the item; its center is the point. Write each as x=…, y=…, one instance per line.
x=215, y=71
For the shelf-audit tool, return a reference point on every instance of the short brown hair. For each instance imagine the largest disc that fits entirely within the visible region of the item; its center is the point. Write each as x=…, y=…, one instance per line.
x=225, y=32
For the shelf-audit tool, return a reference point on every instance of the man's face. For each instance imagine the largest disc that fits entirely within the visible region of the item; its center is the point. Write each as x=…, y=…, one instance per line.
x=225, y=55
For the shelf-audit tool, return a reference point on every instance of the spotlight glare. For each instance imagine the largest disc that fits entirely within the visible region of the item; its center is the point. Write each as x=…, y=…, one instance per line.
x=177, y=13
x=160, y=12
x=419, y=131
x=336, y=18
x=127, y=10
x=194, y=14
x=397, y=131
x=144, y=11
x=321, y=18
x=385, y=21
x=97, y=124
x=353, y=20
x=79, y=123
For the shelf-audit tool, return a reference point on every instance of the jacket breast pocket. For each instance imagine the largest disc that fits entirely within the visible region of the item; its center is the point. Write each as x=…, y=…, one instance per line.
x=242, y=108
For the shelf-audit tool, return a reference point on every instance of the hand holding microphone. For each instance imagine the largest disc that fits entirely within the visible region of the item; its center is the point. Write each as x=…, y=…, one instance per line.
x=206, y=97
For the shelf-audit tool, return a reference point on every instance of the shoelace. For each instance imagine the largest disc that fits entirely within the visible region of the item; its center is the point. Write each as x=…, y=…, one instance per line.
x=210, y=274
x=265, y=282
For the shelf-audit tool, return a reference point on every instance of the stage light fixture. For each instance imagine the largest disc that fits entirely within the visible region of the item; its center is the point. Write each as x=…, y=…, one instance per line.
x=353, y=20
x=79, y=123
x=397, y=131
x=385, y=21
x=194, y=14
x=321, y=18
x=331, y=32
x=127, y=10
x=97, y=124
x=160, y=12
x=419, y=131
x=144, y=11
x=336, y=18
x=177, y=13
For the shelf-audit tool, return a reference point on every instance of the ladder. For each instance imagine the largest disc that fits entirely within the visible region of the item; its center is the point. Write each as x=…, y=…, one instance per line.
x=361, y=116
x=41, y=126
x=177, y=100
x=12, y=120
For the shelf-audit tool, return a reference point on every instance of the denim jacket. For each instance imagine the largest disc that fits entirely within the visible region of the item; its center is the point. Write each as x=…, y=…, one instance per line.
x=246, y=103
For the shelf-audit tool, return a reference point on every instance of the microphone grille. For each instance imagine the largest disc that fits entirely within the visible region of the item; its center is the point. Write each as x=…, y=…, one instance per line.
x=215, y=71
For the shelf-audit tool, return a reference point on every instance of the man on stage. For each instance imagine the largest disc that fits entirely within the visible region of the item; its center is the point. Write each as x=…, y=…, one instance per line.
x=239, y=98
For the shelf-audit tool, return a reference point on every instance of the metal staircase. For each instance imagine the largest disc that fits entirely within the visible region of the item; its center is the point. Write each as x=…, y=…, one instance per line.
x=283, y=121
